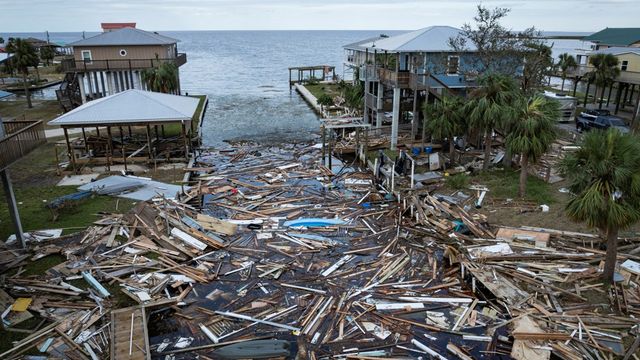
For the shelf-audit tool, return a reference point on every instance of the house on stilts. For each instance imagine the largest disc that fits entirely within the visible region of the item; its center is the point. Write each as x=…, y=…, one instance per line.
x=402, y=72
x=113, y=61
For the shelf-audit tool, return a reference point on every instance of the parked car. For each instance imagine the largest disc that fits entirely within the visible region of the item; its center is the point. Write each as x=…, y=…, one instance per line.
x=599, y=119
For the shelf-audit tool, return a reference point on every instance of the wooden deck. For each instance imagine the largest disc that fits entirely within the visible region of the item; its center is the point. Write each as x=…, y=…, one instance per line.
x=125, y=343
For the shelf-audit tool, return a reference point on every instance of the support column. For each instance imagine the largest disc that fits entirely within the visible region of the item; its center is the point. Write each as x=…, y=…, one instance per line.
x=90, y=85
x=13, y=206
x=636, y=112
x=110, y=83
x=72, y=156
x=83, y=93
x=186, y=144
x=367, y=89
x=379, y=105
x=415, y=119
x=104, y=87
x=626, y=92
x=151, y=155
x=396, y=118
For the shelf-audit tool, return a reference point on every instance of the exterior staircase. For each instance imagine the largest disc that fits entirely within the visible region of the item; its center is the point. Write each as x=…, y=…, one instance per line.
x=69, y=92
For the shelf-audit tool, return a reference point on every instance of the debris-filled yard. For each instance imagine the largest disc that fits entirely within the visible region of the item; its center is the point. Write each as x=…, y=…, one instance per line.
x=269, y=254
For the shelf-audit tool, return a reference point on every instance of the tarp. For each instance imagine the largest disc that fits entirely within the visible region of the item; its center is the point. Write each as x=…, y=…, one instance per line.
x=146, y=190
x=4, y=94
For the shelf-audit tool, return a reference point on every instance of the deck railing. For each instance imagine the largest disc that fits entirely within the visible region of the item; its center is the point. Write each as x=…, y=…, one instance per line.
x=21, y=137
x=631, y=77
x=119, y=64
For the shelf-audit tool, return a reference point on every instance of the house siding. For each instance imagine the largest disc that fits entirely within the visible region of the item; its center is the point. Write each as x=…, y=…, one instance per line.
x=138, y=52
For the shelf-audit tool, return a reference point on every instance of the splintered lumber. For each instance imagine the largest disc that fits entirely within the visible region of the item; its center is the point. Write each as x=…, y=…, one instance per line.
x=455, y=350
x=427, y=349
x=249, y=318
x=217, y=225
x=188, y=239
x=500, y=286
x=522, y=348
x=345, y=259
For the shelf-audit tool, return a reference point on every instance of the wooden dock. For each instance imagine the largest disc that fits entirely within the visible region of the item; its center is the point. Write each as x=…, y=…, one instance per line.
x=129, y=337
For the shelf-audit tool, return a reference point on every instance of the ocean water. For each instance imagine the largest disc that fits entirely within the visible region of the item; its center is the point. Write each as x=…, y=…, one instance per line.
x=245, y=75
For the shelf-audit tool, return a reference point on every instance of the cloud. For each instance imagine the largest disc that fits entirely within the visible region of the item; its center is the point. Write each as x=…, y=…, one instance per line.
x=76, y=15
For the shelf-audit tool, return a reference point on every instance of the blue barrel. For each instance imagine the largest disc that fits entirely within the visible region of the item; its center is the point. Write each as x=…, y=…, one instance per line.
x=415, y=151
x=428, y=149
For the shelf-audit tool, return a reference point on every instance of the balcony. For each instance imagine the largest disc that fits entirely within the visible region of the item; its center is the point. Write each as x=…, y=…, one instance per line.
x=72, y=65
x=631, y=77
x=396, y=79
x=368, y=73
x=21, y=137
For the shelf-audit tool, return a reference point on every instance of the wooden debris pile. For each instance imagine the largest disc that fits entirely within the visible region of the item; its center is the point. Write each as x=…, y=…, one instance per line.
x=271, y=253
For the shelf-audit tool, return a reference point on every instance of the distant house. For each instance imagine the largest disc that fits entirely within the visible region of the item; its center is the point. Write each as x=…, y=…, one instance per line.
x=39, y=44
x=113, y=61
x=108, y=27
x=402, y=72
x=623, y=43
x=615, y=37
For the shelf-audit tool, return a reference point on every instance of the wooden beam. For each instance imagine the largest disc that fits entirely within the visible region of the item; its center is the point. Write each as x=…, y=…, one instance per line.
x=72, y=158
x=110, y=148
x=149, y=142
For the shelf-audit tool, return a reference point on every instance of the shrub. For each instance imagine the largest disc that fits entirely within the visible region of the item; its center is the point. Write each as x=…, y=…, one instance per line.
x=457, y=181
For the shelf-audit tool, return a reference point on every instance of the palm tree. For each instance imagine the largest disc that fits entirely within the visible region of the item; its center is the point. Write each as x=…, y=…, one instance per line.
x=353, y=95
x=533, y=132
x=446, y=120
x=566, y=62
x=47, y=54
x=605, y=70
x=163, y=78
x=24, y=56
x=604, y=178
x=490, y=107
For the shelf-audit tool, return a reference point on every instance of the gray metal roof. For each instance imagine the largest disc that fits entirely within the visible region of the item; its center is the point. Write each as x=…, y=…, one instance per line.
x=130, y=107
x=429, y=39
x=125, y=36
x=618, y=50
x=4, y=57
x=142, y=189
x=358, y=45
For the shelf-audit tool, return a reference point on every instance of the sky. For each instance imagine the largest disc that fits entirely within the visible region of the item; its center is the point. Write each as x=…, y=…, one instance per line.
x=163, y=15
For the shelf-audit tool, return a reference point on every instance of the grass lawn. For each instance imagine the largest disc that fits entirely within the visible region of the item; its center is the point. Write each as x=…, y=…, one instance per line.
x=176, y=129
x=35, y=216
x=34, y=183
x=319, y=89
x=42, y=110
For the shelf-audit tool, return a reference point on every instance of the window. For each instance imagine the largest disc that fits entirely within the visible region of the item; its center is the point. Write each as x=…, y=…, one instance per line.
x=86, y=56
x=624, y=65
x=123, y=52
x=452, y=65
